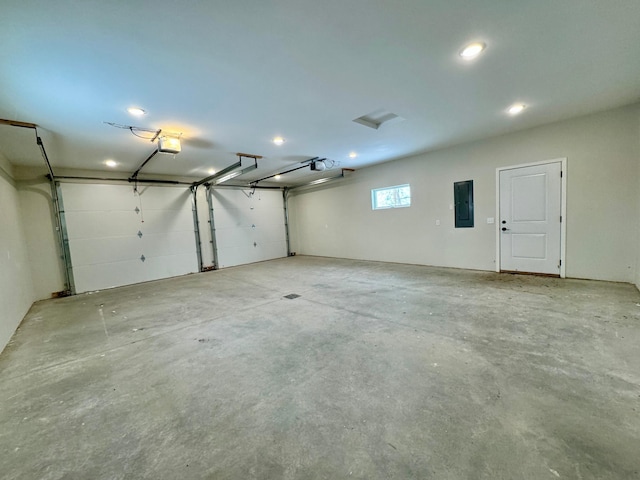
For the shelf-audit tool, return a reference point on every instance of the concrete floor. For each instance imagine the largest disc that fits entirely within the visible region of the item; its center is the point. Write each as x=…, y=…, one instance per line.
x=377, y=371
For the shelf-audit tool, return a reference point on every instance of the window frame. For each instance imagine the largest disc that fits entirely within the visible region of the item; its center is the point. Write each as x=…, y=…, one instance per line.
x=395, y=189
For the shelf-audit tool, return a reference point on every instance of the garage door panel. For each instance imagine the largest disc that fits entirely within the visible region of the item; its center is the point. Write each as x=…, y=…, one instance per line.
x=273, y=250
x=271, y=232
x=263, y=237
x=233, y=217
x=108, y=237
x=232, y=256
x=108, y=275
x=86, y=224
x=230, y=237
x=258, y=216
x=242, y=220
x=95, y=198
x=158, y=221
x=276, y=211
x=265, y=216
x=269, y=200
x=90, y=251
x=116, y=249
x=168, y=244
x=164, y=198
x=230, y=198
x=166, y=266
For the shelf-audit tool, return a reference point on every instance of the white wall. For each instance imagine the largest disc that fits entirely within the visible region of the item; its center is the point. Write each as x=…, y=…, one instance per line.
x=16, y=290
x=602, y=209
x=40, y=236
x=638, y=192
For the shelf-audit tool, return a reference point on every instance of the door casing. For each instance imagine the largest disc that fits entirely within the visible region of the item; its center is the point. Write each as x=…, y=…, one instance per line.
x=563, y=208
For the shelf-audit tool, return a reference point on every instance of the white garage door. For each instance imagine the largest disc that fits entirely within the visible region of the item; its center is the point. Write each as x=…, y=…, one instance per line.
x=118, y=237
x=249, y=226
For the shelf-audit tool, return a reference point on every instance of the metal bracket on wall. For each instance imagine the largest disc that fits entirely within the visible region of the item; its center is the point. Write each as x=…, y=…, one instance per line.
x=63, y=237
x=228, y=173
x=285, y=201
x=61, y=224
x=306, y=165
x=134, y=177
x=324, y=180
x=196, y=225
x=212, y=226
x=58, y=209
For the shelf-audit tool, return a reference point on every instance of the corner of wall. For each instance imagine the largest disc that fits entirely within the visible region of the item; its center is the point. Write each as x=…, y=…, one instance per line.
x=40, y=235
x=6, y=170
x=603, y=149
x=637, y=278
x=16, y=282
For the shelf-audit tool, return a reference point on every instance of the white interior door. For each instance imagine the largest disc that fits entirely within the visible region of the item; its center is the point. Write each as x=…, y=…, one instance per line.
x=118, y=237
x=530, y=218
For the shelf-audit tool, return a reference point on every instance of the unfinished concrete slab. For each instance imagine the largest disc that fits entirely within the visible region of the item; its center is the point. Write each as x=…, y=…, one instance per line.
x=374, y=371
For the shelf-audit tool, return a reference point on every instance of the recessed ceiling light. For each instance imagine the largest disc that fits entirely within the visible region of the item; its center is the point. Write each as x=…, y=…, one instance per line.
x=278, y=140
x=111, y=163
x=472, y=50
x=516, y=108
x=353, y=155
x=277, y=177
x=211, y=171
x=136, y=111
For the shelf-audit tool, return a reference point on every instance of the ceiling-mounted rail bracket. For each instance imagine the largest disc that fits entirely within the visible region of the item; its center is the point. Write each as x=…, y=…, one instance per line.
x=248, y=155
x=16, y=123
x=134, y=177
x=305, y=165
x=228, y=172
x=323, y=180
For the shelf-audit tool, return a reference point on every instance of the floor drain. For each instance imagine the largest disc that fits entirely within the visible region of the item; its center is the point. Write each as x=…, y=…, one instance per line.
x=291, y=296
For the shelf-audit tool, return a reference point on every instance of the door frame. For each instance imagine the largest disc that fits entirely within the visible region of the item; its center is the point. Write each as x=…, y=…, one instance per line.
x=563, y=209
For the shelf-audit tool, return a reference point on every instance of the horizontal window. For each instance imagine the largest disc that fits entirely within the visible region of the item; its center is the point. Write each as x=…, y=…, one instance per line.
x=391, y=197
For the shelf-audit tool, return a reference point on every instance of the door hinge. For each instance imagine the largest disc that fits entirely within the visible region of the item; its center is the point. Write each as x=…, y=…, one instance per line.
x=560, y=263
x=560, y=173
x=560, y=218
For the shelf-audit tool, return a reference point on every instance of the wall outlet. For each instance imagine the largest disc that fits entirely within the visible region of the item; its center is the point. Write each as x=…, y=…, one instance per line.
x=437, y=222
x=491, y=220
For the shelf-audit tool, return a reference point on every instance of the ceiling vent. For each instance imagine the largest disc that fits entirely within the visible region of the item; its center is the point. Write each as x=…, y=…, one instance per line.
x=378, y=118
